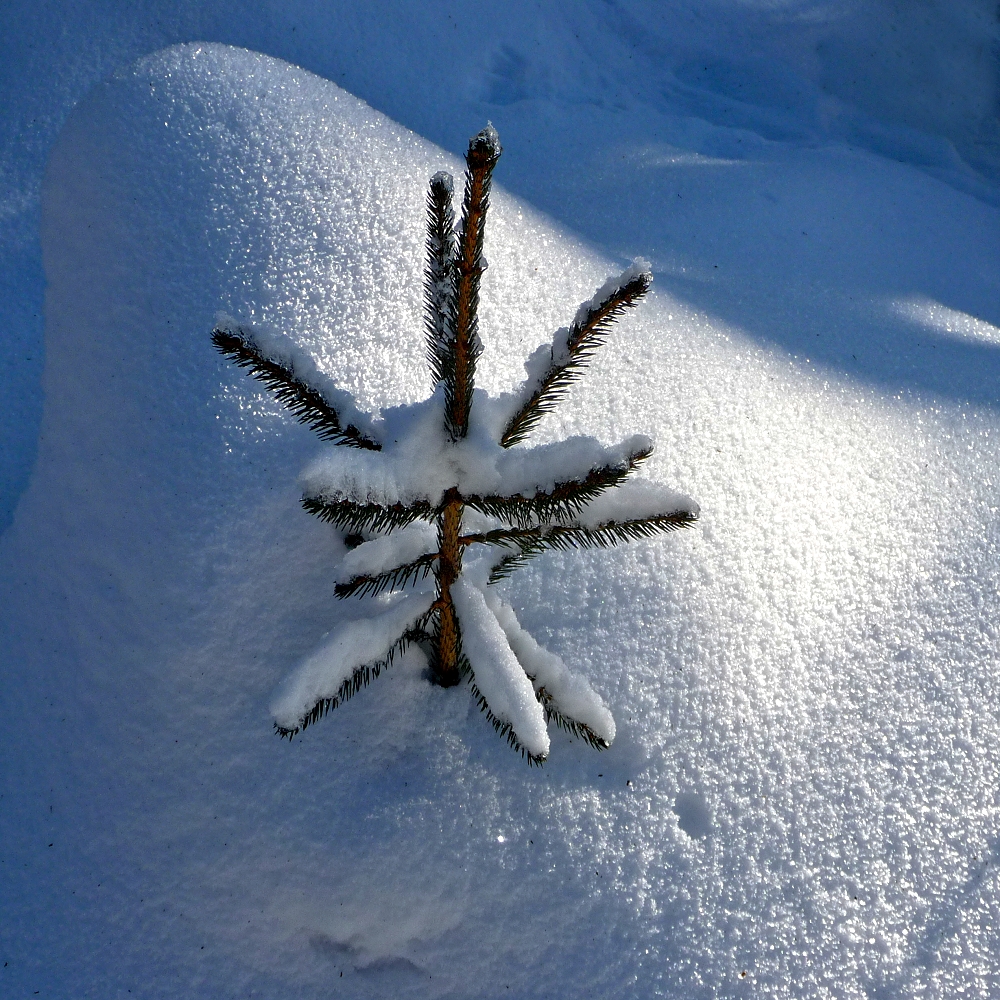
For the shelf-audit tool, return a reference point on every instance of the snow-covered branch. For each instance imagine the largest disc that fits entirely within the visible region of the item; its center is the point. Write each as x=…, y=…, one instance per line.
x=553, y=368
x=294, y=380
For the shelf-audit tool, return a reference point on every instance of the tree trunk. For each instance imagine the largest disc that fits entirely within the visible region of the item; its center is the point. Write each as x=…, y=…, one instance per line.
x=444, y=666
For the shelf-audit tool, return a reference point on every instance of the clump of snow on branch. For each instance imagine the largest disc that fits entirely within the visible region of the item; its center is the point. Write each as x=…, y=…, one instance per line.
x=321, y=676
x=422, y=464
x=499, y=676
x=383, y=553
x=562, y=693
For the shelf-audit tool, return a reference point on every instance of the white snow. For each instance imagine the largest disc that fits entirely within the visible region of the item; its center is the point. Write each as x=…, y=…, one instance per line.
x=635, y=498
x=939, y=319
x=346, y=649
x=801, y=799
x=570, y=693
x=496, y=672
x=381, y=554
x=419, y=462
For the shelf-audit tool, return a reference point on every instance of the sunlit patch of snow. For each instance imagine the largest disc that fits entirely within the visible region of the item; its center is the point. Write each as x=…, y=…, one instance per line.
x=943, y=320
x=665, y=155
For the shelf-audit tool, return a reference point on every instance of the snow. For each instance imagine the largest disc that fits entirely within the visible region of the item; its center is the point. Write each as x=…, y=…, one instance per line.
x=378, y=555
x=418, y=462
x=803, y=784
x=635, y=498
x=496, y=673
x=348, y=648
x=571, y=694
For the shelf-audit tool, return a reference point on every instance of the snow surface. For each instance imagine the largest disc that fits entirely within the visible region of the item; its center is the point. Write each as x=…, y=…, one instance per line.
x=801, y=800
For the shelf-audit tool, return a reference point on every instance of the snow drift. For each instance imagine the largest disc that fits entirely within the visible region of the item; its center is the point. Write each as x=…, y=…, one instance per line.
x=801, y=798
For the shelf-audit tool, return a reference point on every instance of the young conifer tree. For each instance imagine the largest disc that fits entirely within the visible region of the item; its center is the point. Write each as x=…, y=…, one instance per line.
x=438, y=504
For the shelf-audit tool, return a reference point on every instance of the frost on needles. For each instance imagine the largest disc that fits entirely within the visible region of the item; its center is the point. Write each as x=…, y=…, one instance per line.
x=441, y=506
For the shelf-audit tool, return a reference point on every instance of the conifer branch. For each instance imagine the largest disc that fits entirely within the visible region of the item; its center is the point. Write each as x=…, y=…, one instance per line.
x=570, y=725
x=527, y=543
x=393, y=579
x=607, y=534
x=505, y=729
x=530, y=542
x=588, y=332
x=565, y=500
x=481, y=158
x=359, y=679
x=438, y=279
x=510, y=564
x=306, y=402
x=354, y=517
x=507, y=537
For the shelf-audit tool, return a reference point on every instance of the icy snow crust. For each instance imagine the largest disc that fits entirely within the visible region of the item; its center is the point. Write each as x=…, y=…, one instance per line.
x=801, y=800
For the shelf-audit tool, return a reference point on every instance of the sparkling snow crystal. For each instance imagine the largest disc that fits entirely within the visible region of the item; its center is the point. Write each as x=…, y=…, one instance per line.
x=441, y=504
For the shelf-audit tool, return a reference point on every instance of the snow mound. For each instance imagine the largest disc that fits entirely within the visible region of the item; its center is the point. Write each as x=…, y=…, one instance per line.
x=801, y=800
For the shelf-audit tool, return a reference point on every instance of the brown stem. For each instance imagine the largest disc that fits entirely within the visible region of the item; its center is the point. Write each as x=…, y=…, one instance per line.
x=446, y=638
x=481, y=159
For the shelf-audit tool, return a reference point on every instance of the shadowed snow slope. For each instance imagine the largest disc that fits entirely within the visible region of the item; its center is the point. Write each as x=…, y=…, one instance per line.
x=802, y=797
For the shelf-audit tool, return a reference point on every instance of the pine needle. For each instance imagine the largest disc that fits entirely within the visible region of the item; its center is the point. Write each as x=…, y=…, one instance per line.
x=570, y=725
x=306, y=402
x=585, y=336
x=393, y=579
x=530, y=542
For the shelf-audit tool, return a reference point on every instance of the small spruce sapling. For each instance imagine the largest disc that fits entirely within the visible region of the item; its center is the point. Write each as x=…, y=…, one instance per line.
x=438, y=505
